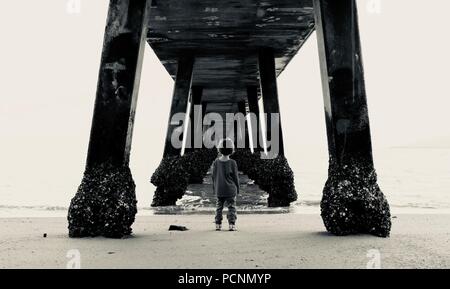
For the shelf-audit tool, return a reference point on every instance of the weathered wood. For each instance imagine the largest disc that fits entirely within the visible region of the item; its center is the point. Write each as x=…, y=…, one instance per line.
x=180, y=98
x=226, y=36
x=243, y=135
x=204, y=108
x=269, y=93
x=252, y=96
x=343, y=80
x=118, y=84
x=196, y=118
x=352, y=201
x=105, y=203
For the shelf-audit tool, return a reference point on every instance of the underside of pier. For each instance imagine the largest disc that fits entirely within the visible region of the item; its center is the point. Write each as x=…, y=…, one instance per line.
x=225, y=36
x=225, y=57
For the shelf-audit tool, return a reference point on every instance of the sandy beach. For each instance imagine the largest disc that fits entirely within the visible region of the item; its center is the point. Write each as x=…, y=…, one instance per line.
x=263, y=241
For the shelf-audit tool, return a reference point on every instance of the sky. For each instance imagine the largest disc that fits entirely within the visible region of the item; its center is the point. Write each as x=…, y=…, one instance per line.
x=49, y=65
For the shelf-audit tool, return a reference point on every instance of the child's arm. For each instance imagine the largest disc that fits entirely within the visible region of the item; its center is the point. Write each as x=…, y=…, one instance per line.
x=213, y=176
x=236, y=177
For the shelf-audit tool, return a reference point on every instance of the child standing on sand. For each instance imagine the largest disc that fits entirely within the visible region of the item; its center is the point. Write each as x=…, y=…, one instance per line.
x=225, y=180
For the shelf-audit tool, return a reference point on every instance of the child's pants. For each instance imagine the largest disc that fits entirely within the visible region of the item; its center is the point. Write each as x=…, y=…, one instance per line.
x=230, y=203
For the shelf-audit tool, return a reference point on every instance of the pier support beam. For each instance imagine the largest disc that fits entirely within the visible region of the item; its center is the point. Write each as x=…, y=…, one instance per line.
x=180, y=101
x=271, y=172
x=172, y=175
x=243, y=133
x=200, y=158
x=105, y=203
x=267, y=72
x=196, y=119
x=252, y=96
x=352, y=201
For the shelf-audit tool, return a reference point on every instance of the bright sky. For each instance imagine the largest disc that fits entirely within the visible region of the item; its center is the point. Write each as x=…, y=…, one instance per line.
x=49, y=63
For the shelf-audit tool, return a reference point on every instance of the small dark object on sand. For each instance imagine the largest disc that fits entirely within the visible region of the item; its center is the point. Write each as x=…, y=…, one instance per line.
x=45, y=235
x=177, y=228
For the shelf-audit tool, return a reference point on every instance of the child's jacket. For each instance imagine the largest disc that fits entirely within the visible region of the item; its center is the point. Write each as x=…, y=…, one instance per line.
x=225, y=178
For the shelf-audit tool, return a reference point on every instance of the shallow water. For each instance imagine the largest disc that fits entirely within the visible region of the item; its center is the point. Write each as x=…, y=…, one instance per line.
x=413, y=179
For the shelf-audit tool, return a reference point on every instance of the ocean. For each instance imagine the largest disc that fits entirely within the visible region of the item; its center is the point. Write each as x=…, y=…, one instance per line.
x=414, y=180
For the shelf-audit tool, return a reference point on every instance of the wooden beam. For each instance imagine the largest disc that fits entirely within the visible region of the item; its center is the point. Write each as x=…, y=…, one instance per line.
x=105, y=203
x=118, y=84
x=196, y=116
x=253, y=106
x=343, y=80
x=266, y=63
x=352, y=201
x=180, y=100
x=243, y=128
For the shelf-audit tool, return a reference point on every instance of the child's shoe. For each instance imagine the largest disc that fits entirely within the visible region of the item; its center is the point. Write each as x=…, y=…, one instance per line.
x=218, y=227
x=232, y=227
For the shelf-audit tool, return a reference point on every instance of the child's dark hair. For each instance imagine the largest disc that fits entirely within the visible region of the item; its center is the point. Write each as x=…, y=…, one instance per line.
x=226, y=147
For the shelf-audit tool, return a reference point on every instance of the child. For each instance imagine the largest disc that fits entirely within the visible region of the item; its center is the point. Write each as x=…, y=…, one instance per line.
x=225, y=180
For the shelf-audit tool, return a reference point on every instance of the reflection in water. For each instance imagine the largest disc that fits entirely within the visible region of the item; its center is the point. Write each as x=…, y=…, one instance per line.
x=200, y=198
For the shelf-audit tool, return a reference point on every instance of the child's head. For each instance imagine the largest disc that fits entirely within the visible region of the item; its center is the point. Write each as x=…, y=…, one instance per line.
x=226, y=147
